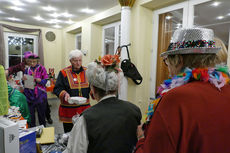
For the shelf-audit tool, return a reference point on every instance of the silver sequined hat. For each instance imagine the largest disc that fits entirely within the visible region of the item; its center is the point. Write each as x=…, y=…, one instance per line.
x=192, y=41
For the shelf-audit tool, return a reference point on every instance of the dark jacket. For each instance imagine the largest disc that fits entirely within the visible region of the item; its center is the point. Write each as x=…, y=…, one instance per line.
x=111, y=126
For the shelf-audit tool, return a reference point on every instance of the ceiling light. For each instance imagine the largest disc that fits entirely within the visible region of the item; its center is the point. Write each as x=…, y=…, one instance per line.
x=57, y=26
x=39, y=18
x=87, y=10
x=66, y=14
x=228, y=14
x=1, y=12
x=215, y=4
x=49, y=8
x=55, y=15
x=220, y=17
x=14, y=19
x=69, y=22
x=16, y=8
x=17, y=3
x=168, y=17
x=31, y=1
x=53, y=21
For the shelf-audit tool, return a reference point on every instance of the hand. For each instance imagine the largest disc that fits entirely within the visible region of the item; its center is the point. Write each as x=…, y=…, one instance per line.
x=38, y=80
x=140, y=132
x=91, y=94
x=67, y=96
x=6, y=73
x=24, y=78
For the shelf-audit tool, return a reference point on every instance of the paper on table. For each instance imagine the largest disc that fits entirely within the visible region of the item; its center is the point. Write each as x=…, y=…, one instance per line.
x=29, y=83
x=47, y=136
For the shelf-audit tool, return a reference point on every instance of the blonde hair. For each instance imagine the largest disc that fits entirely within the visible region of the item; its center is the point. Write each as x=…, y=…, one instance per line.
x=222, y=55
x=194, y=60
x=201, y=60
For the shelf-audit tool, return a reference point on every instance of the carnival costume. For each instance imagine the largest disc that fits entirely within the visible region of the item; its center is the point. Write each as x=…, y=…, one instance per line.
x=191, y=111
x=37, y=97
x=74, y=83
x=18, y=99
x=110, y=125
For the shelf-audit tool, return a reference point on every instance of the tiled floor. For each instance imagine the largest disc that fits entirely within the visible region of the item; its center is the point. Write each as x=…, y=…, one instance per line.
x=54, y=102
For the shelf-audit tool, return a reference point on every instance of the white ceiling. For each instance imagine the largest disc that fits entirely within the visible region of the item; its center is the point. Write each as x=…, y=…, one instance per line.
x=207, y=15
x=32, y=9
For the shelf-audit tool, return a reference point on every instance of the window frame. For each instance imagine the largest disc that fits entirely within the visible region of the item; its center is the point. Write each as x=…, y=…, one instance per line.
x=117, y=25
x=76, y=45
x=7, y=34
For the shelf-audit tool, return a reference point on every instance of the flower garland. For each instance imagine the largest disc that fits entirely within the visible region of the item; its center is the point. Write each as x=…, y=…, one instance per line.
x=109, y=62
x=218, y=76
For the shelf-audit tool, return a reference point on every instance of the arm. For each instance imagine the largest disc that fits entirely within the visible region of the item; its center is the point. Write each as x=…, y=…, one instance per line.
x=42, y=80
x=78, y=139
x=158, y=137
x=59, y=89
x=16, y=68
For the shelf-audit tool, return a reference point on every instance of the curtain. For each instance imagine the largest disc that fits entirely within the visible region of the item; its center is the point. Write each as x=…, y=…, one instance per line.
x=21, y=30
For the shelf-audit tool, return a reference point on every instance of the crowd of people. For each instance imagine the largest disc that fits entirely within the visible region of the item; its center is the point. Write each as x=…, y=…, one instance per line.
x=189, y=115
x=36, y=97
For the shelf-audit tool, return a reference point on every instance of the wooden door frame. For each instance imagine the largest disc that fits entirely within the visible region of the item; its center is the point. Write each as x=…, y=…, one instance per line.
x=188, y=15
x=155, y=54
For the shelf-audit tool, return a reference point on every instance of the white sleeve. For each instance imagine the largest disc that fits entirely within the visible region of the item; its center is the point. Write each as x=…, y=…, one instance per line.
x=78, y=139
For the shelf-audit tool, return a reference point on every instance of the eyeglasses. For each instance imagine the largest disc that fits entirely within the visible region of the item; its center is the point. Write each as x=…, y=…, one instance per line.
x=165, y=60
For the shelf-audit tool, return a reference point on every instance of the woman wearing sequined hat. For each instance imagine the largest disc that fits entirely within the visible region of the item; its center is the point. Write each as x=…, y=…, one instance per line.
x=191, y=114
x=110, y=125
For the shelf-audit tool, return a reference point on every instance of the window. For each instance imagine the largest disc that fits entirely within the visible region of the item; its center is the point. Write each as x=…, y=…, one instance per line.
x=218, y=18
x=78, y=41
x=192, y=13
x=16, y=45
x=111, y=38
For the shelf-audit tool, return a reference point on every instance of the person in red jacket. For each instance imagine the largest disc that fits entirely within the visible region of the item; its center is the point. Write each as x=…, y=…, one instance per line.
x=191, y=112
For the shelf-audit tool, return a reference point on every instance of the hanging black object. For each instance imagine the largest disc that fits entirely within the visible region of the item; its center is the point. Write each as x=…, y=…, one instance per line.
x=128, y=68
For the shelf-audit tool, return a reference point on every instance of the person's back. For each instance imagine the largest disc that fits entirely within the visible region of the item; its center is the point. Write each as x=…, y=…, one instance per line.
x=111, y=126
x=194, y=118
x=18, y=99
